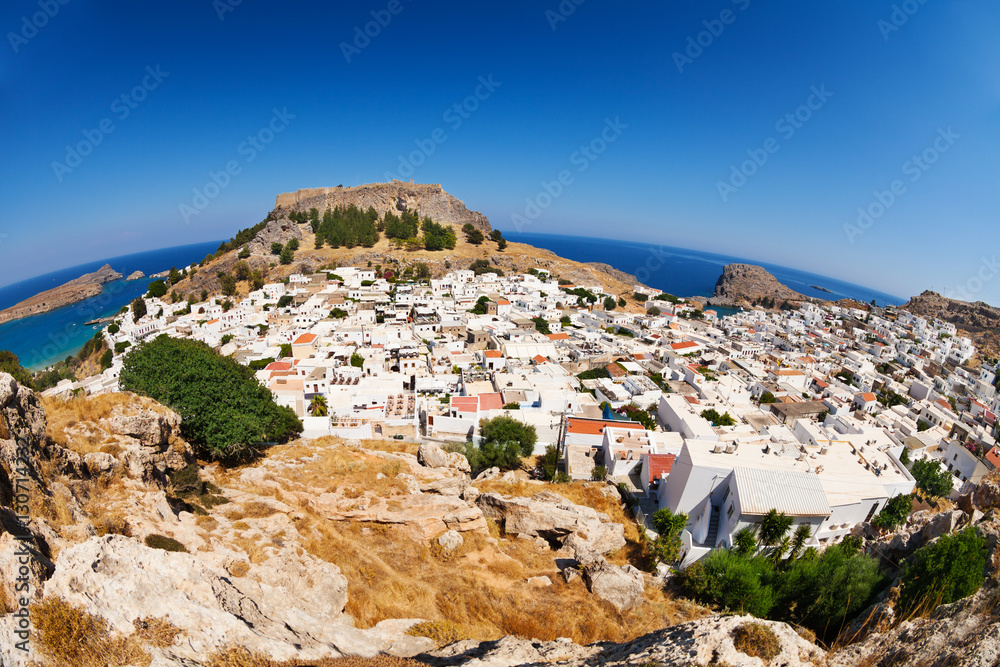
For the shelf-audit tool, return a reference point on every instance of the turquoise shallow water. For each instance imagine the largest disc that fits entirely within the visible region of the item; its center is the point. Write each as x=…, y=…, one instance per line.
x=44, y=339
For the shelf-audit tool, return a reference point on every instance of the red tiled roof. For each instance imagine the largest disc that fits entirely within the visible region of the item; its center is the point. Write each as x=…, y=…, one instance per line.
x=660, y=465
x=304, y=339
x=821, y=384
x=490, y=401
x=465, y=403
x=557, y=336
x=868, y=397
x=615, y=370
x=278, y=366
x=503, y=302
x=692, y=400
x=539, y=359
x=595, y=426
x=686, y=345
x=993, y=456
x=492, y=354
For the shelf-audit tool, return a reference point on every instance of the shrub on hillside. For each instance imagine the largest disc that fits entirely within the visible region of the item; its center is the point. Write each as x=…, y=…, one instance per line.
x=894, y=513
x=224, y=410
x=943, y=572
x=9, y=363
x=504, y=441
x=932, y=478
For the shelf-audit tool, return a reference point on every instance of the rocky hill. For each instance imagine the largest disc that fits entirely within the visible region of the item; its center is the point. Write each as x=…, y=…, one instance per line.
x=428, y=200
x=979, y=321
x=84, y=287
x=745, y=285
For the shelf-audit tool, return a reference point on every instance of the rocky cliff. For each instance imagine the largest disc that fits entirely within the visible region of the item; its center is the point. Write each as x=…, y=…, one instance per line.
x=747, y=285
x=428, y=200
x=76, y=290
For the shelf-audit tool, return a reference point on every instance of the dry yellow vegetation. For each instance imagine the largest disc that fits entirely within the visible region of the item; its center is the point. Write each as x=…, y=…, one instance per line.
x=66, y=419
x=67, y=636
x=241, y=657
x=479, y=590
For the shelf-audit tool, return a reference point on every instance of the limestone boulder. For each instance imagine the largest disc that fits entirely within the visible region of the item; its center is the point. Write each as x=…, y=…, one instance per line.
x=291, y=605
x=621, y=586
x=554, y=518
x=152, y=428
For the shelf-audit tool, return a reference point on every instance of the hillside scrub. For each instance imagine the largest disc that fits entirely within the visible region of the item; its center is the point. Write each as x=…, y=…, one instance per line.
x=819, y=591
x=943, y=572
x=223, y=409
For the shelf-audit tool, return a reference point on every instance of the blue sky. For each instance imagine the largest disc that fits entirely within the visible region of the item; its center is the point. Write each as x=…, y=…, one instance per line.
x=675, y=127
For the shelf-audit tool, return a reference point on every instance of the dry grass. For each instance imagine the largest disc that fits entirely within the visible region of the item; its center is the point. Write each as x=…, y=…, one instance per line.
x=241, y=657
x=757, y=641
x=587, y=494
x=478, y=590
x=63, y=415
x=442, y=632
x=112, y=523
x=158, y=632
x=67, y=636
x=336, y=466
x=53, y=508
x=393, y=446
x=208, y=523
x=6, y=604
x=239, y=568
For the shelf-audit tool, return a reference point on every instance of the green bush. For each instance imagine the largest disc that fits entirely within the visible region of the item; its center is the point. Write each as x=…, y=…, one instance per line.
x=550, y=462
x=821, y=591
x=732, y=582
x=165, y=543
x=943, y=572
x=599, y=474
x=827, y=590
x=504, y=441
x=894, y=513
x=223, y=409
x=931, y=477
x=157, y=289
x=9, y=363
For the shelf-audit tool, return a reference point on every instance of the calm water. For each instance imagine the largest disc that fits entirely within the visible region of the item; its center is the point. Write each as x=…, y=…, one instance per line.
x=685, y=272
x=44, y=339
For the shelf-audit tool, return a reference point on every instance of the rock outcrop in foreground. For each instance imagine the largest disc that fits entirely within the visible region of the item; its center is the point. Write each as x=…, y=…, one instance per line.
x=279, y=562
x=76, y=290
x=428, y=200
x=747, y=284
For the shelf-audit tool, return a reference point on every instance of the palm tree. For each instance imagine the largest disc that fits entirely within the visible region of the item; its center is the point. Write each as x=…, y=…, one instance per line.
x=317, y=407
x=773, y=528
x=744, y=541
x=799, y=539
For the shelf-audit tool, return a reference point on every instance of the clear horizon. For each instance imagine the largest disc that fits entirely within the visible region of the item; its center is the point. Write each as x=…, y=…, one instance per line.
x=853, y=141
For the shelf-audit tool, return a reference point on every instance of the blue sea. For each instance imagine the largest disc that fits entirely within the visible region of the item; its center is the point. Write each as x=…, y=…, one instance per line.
x=688, y=273
x=42, y=340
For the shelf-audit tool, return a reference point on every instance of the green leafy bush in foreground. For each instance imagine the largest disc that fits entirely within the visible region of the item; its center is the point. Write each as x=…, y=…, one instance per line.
x=224, y=410
x=943, y=572
x=819, y=591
